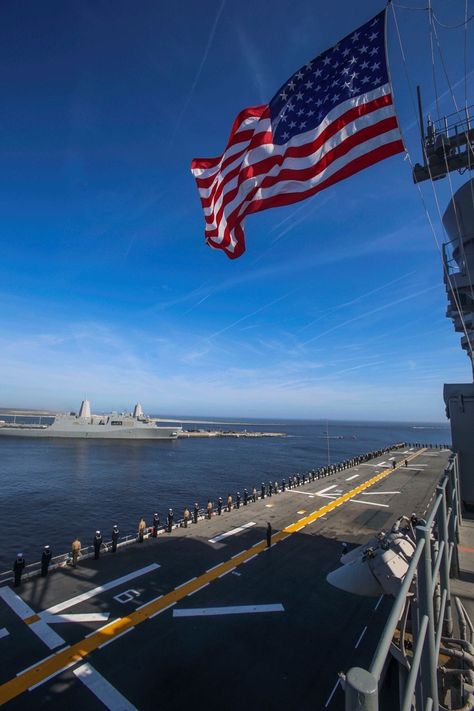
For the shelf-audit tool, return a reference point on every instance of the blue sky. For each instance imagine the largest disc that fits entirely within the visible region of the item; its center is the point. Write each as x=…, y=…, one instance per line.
x=106, y=287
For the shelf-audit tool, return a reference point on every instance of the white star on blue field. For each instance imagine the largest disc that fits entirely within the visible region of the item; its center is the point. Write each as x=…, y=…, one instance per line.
x=336, y=309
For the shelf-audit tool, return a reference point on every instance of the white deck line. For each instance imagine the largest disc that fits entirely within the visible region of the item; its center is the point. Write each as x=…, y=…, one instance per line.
x=226, y=572
x=115, y=638
x=233, y=532
x=16, y=603
x=102, y=689
x=213, y=567
x=102, y=588
x=99, y=629
x=4, y=632
x=369, y=503
x=332, y=693
x=306, y=493
x=229, y=610
x=379, y=493
x=186, y=583
x=40, y=628
x=163, y=610
x=79, y=617
x=198, y=589
x=378, y=602
x=328, y=488
x=360, y=637
x=251, y=558
x=149, y=601
x=36, y=664
x=51, y=676
x=354, y=476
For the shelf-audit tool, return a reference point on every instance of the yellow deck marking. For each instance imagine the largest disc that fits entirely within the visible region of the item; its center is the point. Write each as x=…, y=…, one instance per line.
x=32, y=618
x=55, y=664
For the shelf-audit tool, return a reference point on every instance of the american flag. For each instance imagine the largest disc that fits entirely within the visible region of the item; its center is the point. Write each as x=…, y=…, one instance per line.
x=331, y=119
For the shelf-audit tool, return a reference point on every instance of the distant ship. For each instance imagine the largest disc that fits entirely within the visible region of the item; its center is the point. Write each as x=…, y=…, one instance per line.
x=88, y=426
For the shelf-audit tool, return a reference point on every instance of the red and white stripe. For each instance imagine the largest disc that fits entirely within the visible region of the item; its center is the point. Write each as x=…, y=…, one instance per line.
x=254, y=174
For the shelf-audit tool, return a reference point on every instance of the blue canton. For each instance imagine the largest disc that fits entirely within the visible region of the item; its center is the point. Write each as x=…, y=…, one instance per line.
x=354, y=66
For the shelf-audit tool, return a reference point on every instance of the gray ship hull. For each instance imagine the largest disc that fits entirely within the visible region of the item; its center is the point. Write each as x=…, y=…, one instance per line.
x=135, y=434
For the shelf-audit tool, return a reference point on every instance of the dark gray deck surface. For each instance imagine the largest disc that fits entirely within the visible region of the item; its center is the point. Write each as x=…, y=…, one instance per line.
x=265, y=660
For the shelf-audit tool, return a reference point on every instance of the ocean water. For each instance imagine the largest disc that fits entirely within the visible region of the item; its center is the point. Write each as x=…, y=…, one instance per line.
x=53, y=490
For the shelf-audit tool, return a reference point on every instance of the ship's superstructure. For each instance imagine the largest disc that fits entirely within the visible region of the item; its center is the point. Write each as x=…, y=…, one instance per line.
x=88, y=426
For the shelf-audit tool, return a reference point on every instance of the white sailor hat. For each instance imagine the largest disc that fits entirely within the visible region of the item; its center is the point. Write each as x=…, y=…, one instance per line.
x=97, y=533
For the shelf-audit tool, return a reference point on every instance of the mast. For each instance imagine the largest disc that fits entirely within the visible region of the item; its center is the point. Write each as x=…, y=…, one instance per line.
x=447, y=146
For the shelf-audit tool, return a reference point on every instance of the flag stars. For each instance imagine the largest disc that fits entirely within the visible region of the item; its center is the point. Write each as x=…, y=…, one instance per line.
x=310, y=113
x=335, y=98
x=292, y=124
x=290, y=106
x=346, y=52
x=299, y=96
x=303, y=124
x=326, y=61
x=318, y=73
x=355, y=37
x=309, y=84
x=300, y=112
x=375, y=65
x=309, y=66
x=365, y=80
x=352, y=60
x=374, y=50
x=285, y=136
x=291, y=85
x=373, y=36
x=377, y=81
x=299, y=75
x=363, y=49
x=364, y=65
x=284, y=96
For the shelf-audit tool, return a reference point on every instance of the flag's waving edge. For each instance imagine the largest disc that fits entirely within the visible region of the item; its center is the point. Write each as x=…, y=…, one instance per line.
x=331, y=119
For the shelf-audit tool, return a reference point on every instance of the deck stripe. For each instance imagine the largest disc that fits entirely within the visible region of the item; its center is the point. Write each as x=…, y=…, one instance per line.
x=79, y=617
x=370, y=503
x=45, y=668
x=4, y=632
x=102, y=588
x=216, y=539
x=100, y=687
x=228, y=610
x=36, y=625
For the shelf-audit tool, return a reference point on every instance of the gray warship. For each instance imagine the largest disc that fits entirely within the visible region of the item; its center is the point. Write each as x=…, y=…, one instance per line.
x=85, y=425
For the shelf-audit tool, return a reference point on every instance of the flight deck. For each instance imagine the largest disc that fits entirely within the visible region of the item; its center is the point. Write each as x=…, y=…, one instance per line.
x=208, y=614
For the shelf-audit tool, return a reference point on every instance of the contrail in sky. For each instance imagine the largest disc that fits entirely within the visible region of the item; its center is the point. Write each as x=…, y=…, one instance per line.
x=254, y=313
x=198, y=73
x=369, y=313
x=358, y=298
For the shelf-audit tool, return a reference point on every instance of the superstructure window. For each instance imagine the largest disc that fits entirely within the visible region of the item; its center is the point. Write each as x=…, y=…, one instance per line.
x=116, y=422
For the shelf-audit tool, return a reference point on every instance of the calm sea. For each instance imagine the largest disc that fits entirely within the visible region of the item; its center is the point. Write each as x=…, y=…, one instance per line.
x=53, y=490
